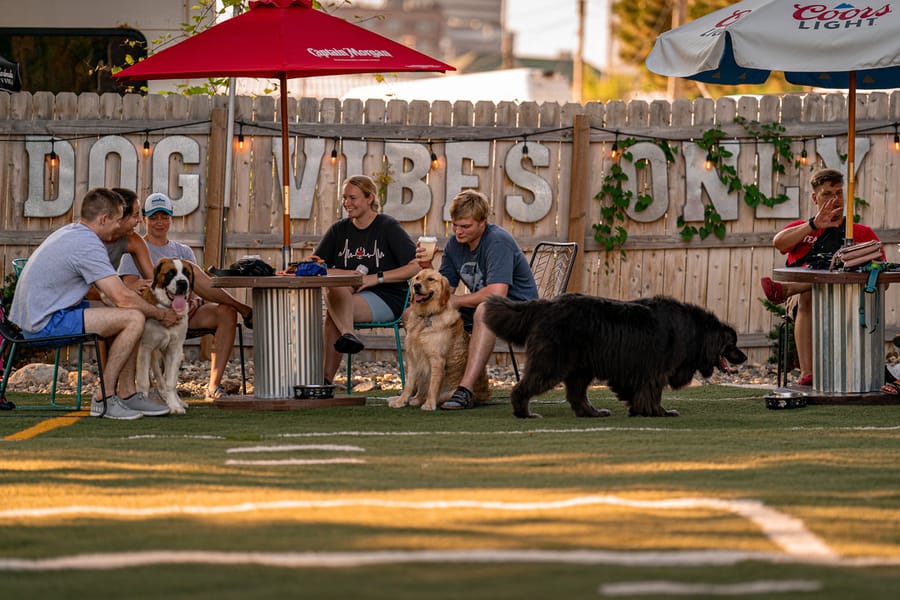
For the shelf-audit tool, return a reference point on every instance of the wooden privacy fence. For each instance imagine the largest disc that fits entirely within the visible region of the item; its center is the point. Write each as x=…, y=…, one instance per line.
x=541, y=166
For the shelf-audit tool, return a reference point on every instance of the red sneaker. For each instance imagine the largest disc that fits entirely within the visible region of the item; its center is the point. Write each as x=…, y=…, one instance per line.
x=773, y=290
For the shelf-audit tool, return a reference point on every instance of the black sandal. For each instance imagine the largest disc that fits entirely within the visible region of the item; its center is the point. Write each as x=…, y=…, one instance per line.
x=460, y=400
x=349, y=344
x=248, y=320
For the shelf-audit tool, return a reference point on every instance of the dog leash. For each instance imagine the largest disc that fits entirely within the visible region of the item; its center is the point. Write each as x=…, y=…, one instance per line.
x=874, y=269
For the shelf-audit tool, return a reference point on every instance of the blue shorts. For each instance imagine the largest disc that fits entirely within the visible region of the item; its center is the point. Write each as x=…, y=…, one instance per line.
x=380, y=310
x=68, y=321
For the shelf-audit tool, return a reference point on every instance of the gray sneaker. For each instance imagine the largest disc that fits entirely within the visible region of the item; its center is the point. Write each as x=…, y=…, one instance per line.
x=113, y=409
x=139, y=402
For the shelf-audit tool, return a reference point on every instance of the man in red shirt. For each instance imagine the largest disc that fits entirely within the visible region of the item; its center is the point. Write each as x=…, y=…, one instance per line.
x=812, y=243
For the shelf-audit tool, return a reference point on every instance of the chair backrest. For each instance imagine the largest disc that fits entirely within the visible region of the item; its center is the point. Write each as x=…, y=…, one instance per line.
x=18, y=264
x=551, y=264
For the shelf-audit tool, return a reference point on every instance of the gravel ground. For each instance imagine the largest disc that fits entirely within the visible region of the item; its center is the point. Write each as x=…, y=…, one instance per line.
x=372, y=376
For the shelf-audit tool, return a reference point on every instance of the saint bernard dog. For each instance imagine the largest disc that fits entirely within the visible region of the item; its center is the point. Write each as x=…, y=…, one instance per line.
x=161, y=348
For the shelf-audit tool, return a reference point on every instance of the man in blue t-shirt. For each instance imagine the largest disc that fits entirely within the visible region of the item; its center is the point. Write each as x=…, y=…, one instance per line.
x=487, y=259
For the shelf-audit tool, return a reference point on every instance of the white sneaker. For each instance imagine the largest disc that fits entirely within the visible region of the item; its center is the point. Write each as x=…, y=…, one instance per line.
x=113, y=408
x=139, y=402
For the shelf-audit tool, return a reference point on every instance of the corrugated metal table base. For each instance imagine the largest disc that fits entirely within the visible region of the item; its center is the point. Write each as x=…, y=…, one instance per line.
x=287, y=331
x=848, y=343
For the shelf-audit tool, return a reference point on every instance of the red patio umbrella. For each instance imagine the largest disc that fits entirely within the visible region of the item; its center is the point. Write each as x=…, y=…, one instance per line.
x=282, y=39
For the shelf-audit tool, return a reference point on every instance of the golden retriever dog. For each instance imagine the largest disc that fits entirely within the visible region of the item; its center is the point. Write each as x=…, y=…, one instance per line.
x=437, y=346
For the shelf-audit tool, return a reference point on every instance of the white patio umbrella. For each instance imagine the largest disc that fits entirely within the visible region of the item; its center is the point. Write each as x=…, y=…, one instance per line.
x=834, y=45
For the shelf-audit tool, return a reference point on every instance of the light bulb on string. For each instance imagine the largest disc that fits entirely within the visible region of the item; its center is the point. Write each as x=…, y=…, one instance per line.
x=614, y=151
x=334, y=152
x=241, y=135
x=804, y=157
x=146, y=142
x=54, y=159
x=709, y=160
x=896, y=139
x=435, y=163
x=524, y=146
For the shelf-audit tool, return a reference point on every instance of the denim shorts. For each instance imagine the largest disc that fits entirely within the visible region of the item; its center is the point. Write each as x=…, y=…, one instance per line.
x=68, y=321
x=380, y=310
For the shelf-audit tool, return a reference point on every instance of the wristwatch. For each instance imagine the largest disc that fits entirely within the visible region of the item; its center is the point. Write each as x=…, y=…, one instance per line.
x=812, y=223
x=380, y=277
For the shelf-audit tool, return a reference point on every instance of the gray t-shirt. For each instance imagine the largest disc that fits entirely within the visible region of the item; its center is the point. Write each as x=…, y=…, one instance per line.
x=58, y=275
x=172, y=249
x=115, y=250
x=497, y=259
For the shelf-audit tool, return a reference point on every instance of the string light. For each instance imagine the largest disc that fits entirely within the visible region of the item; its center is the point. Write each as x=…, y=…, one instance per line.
x=54, y=159
x=614, y=151
x=146, y=142
x=241, y=136
x=803, y=156
x=525, y=146
x=709, y=160
x=334, y=152
x=435, y=163
x=896, y=138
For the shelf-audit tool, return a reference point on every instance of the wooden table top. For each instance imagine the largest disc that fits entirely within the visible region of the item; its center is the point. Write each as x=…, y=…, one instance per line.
x=288, y=281
x=804, y=275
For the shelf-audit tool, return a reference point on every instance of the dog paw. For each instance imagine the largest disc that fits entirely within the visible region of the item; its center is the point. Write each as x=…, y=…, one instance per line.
x=597, y=412
x=429, y=406
x=396, y=402
x=586, y=410
x=177, y=410
x=530, y=415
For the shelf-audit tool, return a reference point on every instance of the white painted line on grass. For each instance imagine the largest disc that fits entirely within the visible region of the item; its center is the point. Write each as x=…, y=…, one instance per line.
x=787, y=532
x=292, y=447
x=297, y=461
x=667, y=430
x=109, y=561
x=676, y=588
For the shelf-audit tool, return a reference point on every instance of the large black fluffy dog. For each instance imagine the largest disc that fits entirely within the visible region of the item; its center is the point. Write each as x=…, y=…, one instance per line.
x=637, y=347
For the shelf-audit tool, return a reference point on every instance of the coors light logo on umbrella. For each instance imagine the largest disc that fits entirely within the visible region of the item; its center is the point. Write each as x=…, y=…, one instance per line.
x=282, y=39
x=838, y=45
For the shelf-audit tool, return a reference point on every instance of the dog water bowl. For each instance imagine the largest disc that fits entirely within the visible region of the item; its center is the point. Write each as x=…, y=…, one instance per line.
x=313, y=391
x=780, y=398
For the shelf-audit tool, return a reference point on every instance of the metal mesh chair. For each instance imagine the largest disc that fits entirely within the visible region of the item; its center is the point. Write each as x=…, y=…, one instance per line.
x=13, y=339
x=395, y=324
x=551, y=265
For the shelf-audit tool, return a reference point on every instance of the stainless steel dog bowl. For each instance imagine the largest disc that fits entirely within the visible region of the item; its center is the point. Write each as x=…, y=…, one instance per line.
x=781, y=398
x=308, y=391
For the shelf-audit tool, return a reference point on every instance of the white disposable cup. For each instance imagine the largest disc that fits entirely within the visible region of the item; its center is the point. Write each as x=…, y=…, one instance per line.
x=429, y=243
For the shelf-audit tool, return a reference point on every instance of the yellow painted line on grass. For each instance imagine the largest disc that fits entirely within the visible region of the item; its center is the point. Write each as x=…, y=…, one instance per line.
x=48, y=425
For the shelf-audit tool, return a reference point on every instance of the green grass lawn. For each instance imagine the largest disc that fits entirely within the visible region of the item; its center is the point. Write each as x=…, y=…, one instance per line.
x=372, y=502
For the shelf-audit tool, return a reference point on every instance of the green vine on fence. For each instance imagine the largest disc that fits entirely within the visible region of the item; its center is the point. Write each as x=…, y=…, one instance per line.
x=611, y=233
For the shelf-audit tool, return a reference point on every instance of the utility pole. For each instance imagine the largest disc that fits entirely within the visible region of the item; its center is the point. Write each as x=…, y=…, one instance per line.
x=679, y=16
x=578, y=60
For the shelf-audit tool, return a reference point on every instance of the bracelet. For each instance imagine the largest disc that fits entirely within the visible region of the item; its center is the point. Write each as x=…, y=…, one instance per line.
x=380, y=277
x=812, y=223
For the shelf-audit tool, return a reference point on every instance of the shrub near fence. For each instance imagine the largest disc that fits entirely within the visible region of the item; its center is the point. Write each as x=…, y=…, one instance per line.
x=541, y=165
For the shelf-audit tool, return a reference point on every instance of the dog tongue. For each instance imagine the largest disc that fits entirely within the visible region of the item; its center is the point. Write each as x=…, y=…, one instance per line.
x=179, y=304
